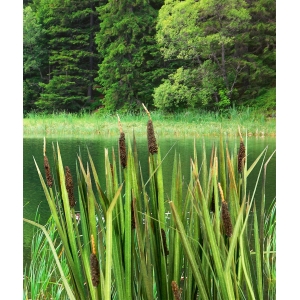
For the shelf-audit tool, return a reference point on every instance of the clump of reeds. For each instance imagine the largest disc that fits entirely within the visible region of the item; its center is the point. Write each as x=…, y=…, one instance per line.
x=225, y=214
x=134, y=258
x=176, y=291
x=47, y=167
x=70, y=187
x=152, y=145
x=122, y=146
x=95, y=272
x=241, y=154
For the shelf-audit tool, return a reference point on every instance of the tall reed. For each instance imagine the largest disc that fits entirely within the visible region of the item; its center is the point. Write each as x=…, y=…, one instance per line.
x=125, y=245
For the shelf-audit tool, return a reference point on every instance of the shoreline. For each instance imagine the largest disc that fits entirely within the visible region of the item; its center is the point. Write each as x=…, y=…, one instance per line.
x=87, y=129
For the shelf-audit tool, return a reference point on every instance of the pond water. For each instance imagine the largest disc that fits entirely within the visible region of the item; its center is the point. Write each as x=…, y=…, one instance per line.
x=33, y=196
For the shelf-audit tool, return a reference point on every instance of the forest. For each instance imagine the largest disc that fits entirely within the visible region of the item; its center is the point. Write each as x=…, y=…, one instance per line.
x=112, y=55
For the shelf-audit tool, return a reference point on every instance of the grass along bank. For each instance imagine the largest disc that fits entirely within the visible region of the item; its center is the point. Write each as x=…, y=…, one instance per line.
x=185, y=124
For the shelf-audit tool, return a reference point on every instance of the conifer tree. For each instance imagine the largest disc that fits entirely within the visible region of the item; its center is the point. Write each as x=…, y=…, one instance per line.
x=70, y=28
x=131, y=65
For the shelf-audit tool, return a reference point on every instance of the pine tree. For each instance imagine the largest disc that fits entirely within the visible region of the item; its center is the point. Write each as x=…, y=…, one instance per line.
x=70, y=28
x=35, y=58
x=131, y=64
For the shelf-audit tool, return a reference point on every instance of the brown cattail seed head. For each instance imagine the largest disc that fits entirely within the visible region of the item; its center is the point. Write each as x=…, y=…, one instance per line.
x=175, y=290
x=70, y=187
x=164, y=240
x=152, y=145
x=226, y=219
x=95, y=272
x=122, y=148
x=48, y=172
x=241, y=157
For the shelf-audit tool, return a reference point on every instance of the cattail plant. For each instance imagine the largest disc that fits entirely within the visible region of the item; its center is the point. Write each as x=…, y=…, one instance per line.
x=241, y=154
x=122, y=146
x=70, y=187
x=225, y=214
x=95, y=272
x=47, y=167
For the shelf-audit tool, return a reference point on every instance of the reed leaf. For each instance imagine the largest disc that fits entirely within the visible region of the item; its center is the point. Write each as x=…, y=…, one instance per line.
x=225, y=287
x=189, y=253
x=109, y=245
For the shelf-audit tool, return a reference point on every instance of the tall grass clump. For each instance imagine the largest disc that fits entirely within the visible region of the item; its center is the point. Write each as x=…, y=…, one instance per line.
x=213, y=244
x=186, y=123
x=42, y=278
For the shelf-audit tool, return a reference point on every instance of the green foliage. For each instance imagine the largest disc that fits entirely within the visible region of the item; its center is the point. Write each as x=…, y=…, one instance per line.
x=265, y=102
x=62, y=93
x=82, y=55
x=141, y=250
x=34, y=58
x=217, y=39
x=69, y=28
x=131, y=64
x=224, y=100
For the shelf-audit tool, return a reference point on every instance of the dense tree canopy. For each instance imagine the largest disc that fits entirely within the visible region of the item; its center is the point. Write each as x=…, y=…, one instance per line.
x=84, y=54
x=217, y=38
x=131, y=64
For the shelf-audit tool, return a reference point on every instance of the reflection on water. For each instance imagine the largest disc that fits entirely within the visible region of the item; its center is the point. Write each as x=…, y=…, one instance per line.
x=34, y=199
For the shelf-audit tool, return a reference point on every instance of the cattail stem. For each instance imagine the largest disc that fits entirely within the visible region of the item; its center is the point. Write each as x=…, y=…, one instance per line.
x=240, y=134
x=119, y=123
x=44, y=148
x=145, y=108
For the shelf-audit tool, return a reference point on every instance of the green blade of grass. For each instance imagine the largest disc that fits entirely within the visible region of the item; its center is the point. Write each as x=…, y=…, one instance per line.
x=64, y=279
